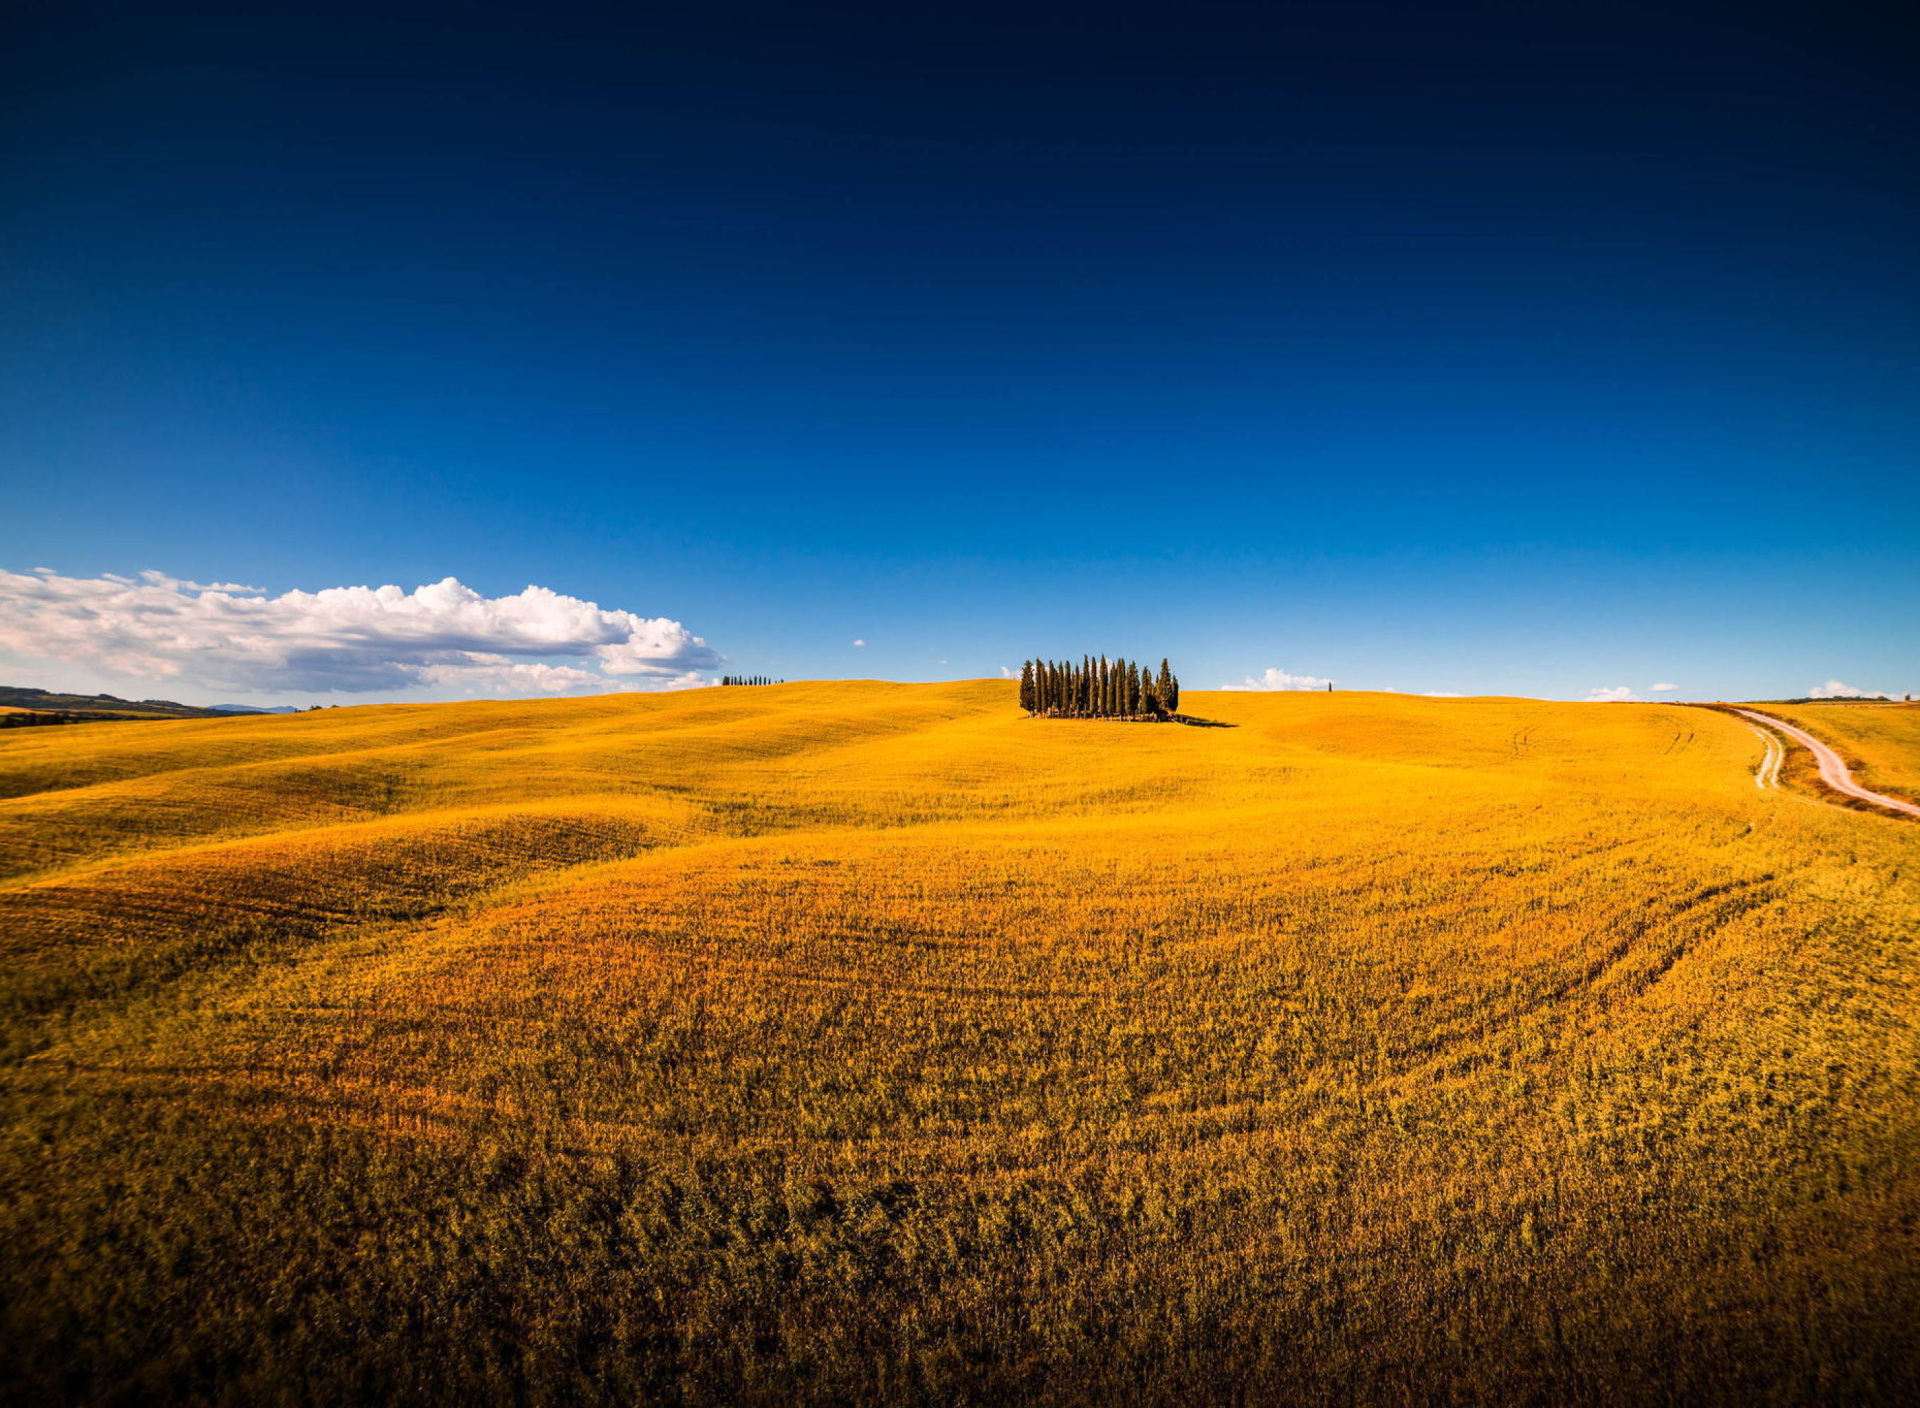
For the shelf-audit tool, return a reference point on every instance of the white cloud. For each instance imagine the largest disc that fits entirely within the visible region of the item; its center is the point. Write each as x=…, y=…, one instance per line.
x=1833, y=689
x=1007, y=673
x=1619, y=694
x=1662, y=688
x=1443, y=694
x=1280, y=679
x=343, y=639
x=859, y=642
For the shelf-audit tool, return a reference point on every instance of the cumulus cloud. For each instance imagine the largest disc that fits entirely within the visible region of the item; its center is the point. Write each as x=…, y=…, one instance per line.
x=1833, y=689
x=343, y=639
x=1662, y=688
x=859, y=642
x=1280, y=679
x=1619, y=694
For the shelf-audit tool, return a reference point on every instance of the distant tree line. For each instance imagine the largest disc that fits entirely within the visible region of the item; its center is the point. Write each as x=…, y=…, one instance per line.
x=46, y=702
x=749, y=679
x=34, y=719
x=1098, y=689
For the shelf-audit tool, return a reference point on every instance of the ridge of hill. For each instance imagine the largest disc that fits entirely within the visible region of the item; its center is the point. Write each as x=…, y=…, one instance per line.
x=862, y=1042
x=52, y=701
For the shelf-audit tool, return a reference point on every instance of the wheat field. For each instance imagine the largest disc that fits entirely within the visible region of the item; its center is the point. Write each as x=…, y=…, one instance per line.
x=863, y=1042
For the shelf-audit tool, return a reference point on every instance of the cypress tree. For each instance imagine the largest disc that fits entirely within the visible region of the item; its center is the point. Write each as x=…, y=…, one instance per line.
x=1026, y=686
x=1169, y=688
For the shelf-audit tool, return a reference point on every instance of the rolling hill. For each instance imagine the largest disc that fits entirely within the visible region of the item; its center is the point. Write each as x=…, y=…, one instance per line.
x=107, y=706
x=869, y=1042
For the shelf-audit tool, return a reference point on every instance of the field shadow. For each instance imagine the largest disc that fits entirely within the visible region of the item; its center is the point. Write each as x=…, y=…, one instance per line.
x=1192, y=722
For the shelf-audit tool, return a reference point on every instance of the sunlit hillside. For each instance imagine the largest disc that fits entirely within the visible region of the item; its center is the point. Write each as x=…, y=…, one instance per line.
x=862, y=1042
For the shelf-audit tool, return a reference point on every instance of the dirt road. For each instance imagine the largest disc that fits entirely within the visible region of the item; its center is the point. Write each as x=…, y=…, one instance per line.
x=1833, y=772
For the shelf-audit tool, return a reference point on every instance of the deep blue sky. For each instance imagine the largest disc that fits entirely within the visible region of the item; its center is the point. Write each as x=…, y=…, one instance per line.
x=1519, y=348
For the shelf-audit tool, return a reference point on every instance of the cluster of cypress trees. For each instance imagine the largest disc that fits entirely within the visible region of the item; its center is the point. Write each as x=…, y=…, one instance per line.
x=1098, y=689
x=749, y=679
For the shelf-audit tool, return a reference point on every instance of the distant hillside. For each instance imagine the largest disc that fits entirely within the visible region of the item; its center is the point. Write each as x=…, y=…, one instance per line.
x=254, y=709
x=105, y=705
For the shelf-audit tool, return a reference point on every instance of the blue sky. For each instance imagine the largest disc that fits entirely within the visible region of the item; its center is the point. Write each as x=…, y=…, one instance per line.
x=1484, y=349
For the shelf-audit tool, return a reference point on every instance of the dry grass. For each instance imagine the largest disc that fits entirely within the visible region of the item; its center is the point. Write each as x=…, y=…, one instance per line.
x=856, y=1043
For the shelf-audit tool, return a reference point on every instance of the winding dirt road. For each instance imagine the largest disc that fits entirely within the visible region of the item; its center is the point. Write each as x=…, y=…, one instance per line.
x=1833, y=772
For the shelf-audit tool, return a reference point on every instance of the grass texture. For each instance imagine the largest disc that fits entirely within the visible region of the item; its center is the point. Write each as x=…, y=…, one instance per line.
x=874, y=1043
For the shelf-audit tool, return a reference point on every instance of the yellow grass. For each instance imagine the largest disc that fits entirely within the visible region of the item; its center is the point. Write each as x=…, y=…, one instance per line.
x=860, y=1042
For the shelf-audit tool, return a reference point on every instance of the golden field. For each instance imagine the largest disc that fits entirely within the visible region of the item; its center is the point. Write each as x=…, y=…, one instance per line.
x=874, y=1043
